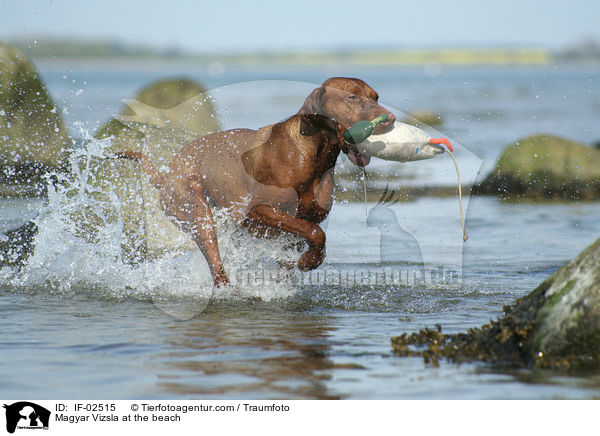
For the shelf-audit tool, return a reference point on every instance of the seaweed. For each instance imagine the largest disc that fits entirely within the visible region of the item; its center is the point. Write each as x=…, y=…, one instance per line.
x=510, y=340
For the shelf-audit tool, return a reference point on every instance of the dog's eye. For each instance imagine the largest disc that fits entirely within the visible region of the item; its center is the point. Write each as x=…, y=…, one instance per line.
x=353, y=97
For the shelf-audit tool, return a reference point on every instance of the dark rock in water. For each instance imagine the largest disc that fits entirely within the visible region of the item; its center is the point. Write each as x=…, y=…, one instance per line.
x=545, y=166
x=33, y=138
x=16, y=245
x=424, y=118
x=556, y=325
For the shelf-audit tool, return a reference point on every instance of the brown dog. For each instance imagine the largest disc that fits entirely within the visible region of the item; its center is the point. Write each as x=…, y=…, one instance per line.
x=277, y=178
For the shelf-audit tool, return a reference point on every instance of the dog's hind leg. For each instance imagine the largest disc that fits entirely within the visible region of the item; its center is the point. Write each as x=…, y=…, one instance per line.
x=205, y=234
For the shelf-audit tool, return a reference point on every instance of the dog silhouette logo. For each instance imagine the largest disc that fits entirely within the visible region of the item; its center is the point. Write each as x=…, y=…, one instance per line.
x=395, y=243
x=26, y=415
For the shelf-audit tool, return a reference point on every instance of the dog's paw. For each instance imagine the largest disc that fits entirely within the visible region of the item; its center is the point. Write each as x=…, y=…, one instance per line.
x=220, y=279
x=312, y=259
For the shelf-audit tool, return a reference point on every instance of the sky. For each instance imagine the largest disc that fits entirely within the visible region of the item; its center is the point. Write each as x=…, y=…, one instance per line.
x=254, y=25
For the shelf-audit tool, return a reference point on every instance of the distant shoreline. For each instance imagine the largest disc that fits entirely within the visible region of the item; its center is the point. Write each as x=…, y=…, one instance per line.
x=50, y=50
x=218, y=68
x=433, y=58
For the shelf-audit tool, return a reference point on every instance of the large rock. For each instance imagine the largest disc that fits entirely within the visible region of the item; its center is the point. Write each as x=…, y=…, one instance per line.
x=158, y=121
x=171, y=103
x=545, y=166
x=33, y=138
x=556, y=325
x=567, y=322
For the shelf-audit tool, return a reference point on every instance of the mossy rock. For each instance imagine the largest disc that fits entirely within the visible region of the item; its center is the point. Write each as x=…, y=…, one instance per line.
x=568, y=321
x=556, y=325
x=424, y=118
x=158, y=121
x=161, y=119
x=545, y=166
x=33, y=137
x=171, y=103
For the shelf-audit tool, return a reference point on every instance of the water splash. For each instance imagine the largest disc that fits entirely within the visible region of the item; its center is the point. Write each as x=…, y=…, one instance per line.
x=82, y=239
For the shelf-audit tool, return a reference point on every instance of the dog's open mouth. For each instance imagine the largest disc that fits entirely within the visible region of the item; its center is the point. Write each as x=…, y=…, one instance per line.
x=357, y=158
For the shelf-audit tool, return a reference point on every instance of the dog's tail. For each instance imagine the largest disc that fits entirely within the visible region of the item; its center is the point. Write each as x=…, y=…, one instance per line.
x=148, y=167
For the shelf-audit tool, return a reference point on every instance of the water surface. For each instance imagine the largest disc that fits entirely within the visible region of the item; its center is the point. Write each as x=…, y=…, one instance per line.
x=79, y=323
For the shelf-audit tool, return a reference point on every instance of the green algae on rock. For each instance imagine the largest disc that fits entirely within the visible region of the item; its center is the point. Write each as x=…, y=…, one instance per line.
x=544, y=166
x=158, y=121
x=33, y=137
x=556, y=325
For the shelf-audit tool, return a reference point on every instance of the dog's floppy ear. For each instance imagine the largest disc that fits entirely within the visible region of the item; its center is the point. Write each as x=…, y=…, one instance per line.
x=312, y=104
x=311, y=112
x=312, y=123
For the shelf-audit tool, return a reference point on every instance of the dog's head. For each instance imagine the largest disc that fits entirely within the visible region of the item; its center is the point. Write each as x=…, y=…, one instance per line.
x=339, y=103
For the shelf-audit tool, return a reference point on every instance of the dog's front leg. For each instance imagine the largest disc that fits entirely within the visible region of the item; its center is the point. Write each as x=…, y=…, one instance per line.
x=262, y=217
x=205, y=234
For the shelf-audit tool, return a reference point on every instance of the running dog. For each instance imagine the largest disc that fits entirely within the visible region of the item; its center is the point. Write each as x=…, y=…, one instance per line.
x=278, y=178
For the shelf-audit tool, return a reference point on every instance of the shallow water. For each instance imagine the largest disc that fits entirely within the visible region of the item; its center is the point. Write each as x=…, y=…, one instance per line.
x=79, y=323
x=324, y=341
